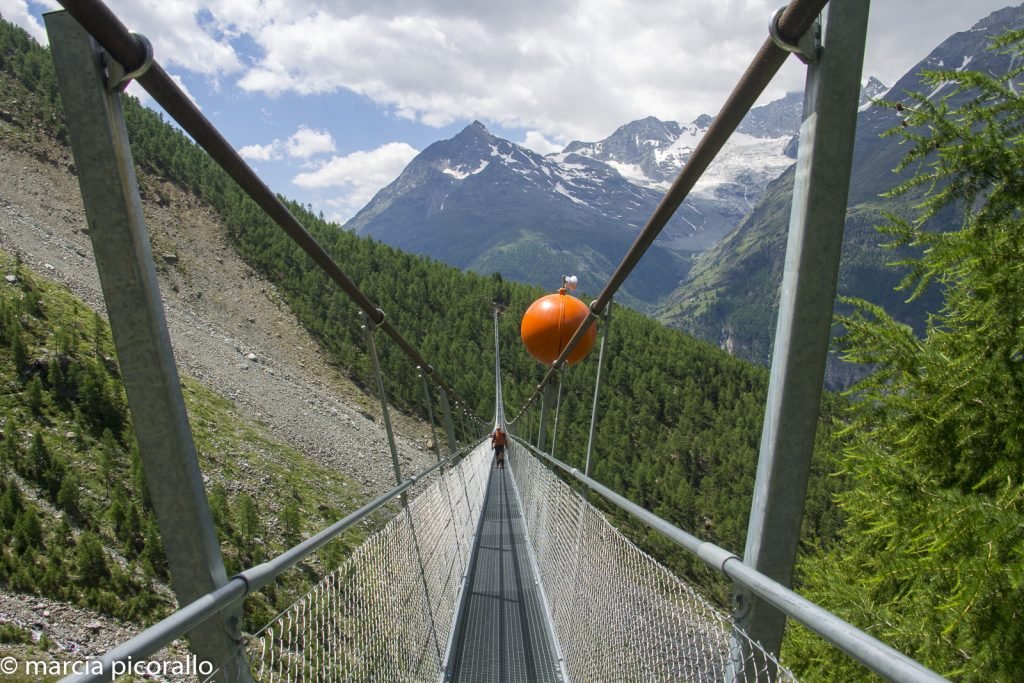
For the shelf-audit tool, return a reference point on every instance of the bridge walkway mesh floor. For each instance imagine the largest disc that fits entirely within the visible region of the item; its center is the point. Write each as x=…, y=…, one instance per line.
x=506, y=638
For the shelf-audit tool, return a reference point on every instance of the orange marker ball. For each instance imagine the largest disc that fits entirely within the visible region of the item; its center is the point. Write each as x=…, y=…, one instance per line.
x=550, y=322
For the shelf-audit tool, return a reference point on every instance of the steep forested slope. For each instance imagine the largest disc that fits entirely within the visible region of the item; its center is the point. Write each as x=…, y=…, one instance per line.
x=76, y=523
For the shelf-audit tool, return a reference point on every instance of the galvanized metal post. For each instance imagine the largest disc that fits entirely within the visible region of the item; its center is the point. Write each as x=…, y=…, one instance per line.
x=805, y=313
x=542, y=429
x=597, y=384
x=499, y=401
x=430, y=414
x=558, y=410
x=462, y=422
x=371, y=328
x=449, y=426
x=106, y=174
x=441, y=470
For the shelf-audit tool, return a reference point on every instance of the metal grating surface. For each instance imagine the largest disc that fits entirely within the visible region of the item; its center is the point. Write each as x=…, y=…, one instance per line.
x=506, y=637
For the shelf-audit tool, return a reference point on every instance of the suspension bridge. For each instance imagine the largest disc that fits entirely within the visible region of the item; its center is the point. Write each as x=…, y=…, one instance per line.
x=482, y=574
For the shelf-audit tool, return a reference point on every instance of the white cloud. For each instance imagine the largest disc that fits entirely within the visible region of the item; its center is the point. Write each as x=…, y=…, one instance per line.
x=540, y=144
x=359, y=175
x=136, y=90
x=306, y=142
x=563, y=70
x=179, y=34
x=181, y=84
x=17, y=12
x=303, y=144
x=261, y=152
x=571, y=69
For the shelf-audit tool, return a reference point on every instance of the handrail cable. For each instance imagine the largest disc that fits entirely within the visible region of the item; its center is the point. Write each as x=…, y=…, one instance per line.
x=133, y=53
x=793, y=22
x=242, y=584
x=869, y=651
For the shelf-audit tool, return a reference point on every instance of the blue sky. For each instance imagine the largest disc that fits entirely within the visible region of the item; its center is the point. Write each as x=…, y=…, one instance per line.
x=330, y=99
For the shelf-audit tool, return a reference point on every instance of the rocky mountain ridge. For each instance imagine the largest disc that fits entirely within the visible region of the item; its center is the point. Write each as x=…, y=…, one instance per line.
x=483, y=203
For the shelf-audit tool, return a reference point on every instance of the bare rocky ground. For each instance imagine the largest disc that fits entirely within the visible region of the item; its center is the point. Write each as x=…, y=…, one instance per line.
x=230, y=329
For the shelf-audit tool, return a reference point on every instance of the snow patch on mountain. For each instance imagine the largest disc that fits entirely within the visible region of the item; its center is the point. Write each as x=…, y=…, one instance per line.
x=630, y=172
x=459, y=173
x=560, y=189
x=744, y=168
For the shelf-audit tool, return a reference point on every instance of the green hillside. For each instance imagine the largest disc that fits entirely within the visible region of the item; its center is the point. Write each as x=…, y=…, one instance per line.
x=75, y=520
x=732, y=295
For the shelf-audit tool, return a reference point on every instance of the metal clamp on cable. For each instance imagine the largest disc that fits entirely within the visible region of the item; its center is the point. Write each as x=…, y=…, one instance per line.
x=117, y=78
x=371, y=324
x=807, y=48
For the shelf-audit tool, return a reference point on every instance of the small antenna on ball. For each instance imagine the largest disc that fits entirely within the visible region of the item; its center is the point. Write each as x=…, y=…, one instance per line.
x=569, y=282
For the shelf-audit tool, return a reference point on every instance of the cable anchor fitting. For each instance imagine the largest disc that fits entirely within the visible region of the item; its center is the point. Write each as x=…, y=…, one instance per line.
x=370, y=324
x=807, y=48
x=117, y=77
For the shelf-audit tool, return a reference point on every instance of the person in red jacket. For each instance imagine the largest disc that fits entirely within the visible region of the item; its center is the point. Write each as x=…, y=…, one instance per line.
x=498, y=440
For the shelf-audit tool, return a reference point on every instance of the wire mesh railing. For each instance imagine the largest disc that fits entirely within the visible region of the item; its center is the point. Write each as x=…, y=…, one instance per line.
x=385, y=614
x=618, y=614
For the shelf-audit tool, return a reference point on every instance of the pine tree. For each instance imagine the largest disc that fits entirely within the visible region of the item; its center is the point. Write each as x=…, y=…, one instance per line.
x=249, y=526
x=10, y=449
x=291, y=524
x=28, y=531
x=90, y=560
x=932, y=560
x=39, y=457
x=34, y=395
x=18, y=350
x=68, y=495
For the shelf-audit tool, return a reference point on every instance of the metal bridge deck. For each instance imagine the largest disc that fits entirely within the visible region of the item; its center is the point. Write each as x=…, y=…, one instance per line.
x=506, y=637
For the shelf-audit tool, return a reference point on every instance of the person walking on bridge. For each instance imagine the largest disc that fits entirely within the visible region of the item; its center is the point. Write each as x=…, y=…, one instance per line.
x=498, y=440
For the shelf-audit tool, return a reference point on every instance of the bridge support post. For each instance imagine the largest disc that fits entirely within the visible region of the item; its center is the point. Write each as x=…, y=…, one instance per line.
x=804, y=323
x=371, y=328
x=430, y=414
x=545, y=401
x=106, y=175
x=597, y=384
x=558, y=411
x=449, y=426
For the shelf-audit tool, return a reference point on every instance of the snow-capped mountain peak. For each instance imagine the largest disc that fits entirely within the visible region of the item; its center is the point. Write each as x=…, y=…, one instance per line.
x=650, y=152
